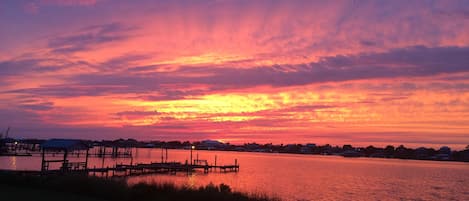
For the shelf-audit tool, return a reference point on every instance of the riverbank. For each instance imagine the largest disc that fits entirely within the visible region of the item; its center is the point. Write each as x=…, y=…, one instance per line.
x=25, y=147
x=20, y=187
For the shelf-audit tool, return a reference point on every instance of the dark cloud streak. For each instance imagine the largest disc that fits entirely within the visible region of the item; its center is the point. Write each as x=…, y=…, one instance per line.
x=407, y=62
x=90, y=37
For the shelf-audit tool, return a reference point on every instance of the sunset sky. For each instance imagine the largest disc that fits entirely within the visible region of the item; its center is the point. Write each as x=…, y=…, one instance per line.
x=337, y=72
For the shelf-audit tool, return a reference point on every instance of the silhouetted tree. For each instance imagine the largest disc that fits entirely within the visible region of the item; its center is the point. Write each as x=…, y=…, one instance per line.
x=403, y=152
x=347, y=147
x=389, y=151
x=370, y=150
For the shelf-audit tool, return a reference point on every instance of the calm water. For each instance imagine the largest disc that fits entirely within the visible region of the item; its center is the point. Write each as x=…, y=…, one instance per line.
x=307, y=177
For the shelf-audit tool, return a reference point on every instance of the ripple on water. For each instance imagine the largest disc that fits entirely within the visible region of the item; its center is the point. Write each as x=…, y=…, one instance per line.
x=437, y=187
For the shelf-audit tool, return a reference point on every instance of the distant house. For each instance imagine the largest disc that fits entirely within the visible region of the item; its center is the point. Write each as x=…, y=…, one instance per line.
x=252, y=146
x=351, y=153
x=211, y=144
x=444, y=153
x=444, y=150
x=292, y=148
x=465, y=155
x=150, y=145
x=308, y=148
x=422, y=153
x=239, y=149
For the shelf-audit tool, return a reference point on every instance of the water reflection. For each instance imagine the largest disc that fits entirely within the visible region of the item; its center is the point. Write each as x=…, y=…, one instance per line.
x=305, y=177
x=13, y=162
x=191, y=181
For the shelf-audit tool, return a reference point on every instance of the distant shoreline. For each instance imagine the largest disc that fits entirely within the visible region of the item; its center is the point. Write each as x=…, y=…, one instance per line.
x=26, y=147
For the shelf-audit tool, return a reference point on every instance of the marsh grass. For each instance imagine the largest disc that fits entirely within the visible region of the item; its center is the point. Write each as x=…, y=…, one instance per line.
x=118, y=189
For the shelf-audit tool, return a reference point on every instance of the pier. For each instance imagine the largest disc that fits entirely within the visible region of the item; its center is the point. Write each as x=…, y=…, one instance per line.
x=124, y=170
x=67, y=147
x=56, y=153
x=157, y=168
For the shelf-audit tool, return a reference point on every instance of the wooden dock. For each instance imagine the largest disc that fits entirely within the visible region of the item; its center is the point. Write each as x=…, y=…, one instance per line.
x=161, y=168
x=122, y=170
x=62, y=149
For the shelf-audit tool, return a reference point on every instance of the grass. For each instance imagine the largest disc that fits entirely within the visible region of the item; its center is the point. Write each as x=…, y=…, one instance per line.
x=15, y=193
x=80, y=188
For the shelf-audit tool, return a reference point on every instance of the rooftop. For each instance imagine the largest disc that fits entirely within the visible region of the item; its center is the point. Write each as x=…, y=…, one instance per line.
x=64, y=144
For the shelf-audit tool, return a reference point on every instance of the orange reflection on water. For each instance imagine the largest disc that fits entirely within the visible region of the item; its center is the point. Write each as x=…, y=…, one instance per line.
x=302, y=177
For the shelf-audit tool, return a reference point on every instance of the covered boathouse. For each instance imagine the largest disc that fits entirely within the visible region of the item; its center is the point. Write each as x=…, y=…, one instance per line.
x=65, y=147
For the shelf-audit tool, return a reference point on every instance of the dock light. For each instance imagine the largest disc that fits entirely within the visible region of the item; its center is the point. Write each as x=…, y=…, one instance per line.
x=16, y=143
x=192, y=148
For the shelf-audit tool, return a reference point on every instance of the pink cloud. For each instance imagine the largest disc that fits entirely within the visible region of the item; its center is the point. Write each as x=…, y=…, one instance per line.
x=70, y=2
x=33, y=7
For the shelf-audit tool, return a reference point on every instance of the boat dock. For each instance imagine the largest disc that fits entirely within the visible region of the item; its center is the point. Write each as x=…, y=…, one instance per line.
x=155, y=168
x=62, y=149
x=122, y=170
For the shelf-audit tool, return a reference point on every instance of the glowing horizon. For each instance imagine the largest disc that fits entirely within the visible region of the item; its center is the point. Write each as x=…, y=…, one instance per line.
x=337, y=72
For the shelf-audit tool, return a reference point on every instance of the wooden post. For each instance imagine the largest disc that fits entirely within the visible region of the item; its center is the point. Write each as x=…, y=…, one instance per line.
x=43, y=168
x=102, y=162
x=114, y=152
x=86, y=160
x=131, y=151
x=236, y=165
x=64, y=164
x=162, y=154
x=166, y=161
x=191, y=156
